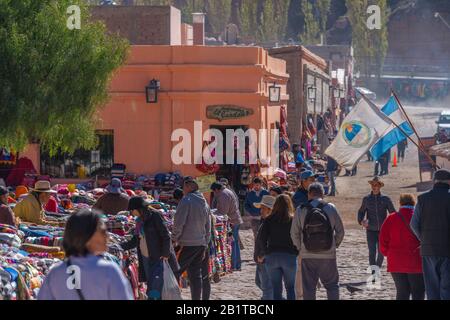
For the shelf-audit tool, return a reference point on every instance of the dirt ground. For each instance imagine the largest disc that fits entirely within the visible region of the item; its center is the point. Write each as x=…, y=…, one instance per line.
x=353, y=253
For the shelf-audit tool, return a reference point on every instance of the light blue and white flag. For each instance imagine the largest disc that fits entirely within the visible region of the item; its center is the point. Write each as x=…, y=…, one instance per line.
x=361, y=129
x=393, y=135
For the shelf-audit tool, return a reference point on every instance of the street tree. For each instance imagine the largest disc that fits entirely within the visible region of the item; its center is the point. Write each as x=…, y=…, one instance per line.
x=53, y=79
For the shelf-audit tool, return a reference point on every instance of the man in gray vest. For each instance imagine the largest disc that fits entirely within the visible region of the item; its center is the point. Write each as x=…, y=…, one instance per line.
x=431, y=224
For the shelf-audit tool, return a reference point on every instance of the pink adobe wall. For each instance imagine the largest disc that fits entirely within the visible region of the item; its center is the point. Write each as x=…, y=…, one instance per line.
x=191, y=79
x=32, y=152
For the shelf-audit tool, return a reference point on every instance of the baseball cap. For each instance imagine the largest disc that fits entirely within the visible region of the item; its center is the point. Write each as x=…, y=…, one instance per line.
x=307, y=174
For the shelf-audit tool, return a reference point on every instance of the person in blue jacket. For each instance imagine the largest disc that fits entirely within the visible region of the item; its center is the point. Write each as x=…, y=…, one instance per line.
x=301, y=195
x=254, y=196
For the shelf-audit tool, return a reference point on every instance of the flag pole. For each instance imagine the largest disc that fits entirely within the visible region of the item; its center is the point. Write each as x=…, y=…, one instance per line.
x=412, y=126
x=420, y=147
x=407, y=118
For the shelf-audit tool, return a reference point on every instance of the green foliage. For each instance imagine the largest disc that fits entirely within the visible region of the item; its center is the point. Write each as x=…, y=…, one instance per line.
x=248, y=14
x=311, y=35
x=53, y=80
x=370, y=45
x=218, y=14
x=379, y=38
x=323, y=7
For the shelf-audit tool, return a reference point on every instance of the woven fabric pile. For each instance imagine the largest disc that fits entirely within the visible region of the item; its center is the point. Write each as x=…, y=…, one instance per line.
x=28, y=252
x=120, y=225
x=220, y=261
x=22, y=266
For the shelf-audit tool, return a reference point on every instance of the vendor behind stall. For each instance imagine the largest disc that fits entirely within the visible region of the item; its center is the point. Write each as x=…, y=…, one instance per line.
x=115, y=200
x=6, y=214
x=30, y=208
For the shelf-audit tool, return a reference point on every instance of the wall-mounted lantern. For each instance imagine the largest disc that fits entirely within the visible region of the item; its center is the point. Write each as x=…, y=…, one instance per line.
x=336, y=93
x=151, y=91
x=274, y=93
x=312, y=92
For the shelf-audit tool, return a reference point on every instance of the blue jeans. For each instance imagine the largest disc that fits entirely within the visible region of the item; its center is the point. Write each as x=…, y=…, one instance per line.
x=436, y=272
x=236, y=249
x=263, y=282
x=376, y=258
x=332, y=178
x=155, y=278
x=282, y=266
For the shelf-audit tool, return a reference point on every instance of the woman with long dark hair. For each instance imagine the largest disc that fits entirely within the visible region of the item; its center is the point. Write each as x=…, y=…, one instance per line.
x=85, y=274
x=278, y=250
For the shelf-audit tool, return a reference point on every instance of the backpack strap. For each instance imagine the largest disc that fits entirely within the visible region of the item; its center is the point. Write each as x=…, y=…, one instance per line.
x=322, y=205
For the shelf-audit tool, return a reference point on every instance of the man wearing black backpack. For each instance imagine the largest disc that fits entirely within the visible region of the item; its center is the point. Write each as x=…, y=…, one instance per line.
x=317, y=230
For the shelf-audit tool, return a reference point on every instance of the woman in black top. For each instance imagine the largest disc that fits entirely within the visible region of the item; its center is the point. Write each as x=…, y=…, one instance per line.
x=153, y=243
x=277, y=249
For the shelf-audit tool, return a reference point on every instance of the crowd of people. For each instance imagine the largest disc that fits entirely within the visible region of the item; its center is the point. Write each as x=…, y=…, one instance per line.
x=298, y=235
x=296, y=232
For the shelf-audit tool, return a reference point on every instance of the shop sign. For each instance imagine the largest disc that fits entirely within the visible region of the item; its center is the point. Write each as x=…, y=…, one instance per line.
x=205, y=182
x=226, y=112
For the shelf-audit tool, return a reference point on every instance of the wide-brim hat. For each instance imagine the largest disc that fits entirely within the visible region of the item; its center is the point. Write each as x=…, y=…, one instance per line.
x=267, y=201
x=43, y=187
x=376, y=180
x=115, y=186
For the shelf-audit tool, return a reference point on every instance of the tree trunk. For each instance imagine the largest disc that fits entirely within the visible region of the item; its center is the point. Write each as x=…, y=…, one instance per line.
x=235, y=9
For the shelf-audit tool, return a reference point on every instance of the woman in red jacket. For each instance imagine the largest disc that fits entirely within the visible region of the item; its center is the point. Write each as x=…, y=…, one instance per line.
x=402, y=249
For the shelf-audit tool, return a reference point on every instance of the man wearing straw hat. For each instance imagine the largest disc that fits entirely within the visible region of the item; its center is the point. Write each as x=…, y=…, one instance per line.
x=262, y=278
x=30, y=208
x=374, y=210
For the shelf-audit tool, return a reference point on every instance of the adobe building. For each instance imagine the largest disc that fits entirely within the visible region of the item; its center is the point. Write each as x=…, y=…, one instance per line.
x=234, y=81
x=306, y=70
x=142, y=25
x=221, y=87
x=342, y=62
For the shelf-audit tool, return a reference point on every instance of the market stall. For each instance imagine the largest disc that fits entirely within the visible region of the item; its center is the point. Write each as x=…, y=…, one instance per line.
x=29, y=251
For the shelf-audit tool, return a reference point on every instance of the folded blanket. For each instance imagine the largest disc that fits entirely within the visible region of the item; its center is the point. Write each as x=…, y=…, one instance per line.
x=10, y=239
x=29, y=247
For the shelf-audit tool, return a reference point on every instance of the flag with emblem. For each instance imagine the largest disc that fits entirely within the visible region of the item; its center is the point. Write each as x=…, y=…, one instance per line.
x=396, y=133
x=361, y=129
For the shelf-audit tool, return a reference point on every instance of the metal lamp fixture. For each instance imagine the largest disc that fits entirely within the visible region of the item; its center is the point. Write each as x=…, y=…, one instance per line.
x=336, y=93
x=312, y=92
x=151, y=91
x=274, y=93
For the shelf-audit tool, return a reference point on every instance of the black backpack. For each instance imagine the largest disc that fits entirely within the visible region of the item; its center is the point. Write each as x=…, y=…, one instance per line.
x=317, y=231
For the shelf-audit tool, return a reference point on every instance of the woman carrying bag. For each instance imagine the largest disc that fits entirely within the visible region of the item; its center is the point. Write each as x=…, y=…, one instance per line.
x=154, y=246
x=402, y=249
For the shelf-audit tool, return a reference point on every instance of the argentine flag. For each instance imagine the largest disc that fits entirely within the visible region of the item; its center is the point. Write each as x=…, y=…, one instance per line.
x=360, y=130
x=393, y=135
